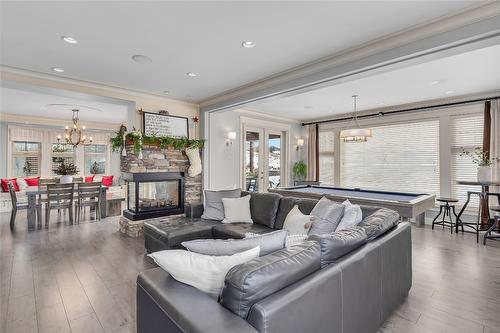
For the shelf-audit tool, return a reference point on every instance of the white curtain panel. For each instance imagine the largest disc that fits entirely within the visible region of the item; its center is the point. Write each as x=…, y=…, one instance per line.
x=495, y=144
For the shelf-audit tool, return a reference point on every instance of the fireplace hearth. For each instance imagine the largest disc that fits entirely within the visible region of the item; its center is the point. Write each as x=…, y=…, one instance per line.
x=154, y=194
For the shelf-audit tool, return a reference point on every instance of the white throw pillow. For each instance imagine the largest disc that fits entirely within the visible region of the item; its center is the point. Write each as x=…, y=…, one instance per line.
x=297, y=223
x=193, y=155
x=204, y=272
x=237, y=210
x=352, y=216
x=22, y=184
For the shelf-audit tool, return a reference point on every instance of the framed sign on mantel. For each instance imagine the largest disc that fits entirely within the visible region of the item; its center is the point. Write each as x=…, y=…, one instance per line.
x=165, y=125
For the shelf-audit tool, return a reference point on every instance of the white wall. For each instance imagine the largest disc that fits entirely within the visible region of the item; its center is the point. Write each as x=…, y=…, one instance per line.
x=223, y=163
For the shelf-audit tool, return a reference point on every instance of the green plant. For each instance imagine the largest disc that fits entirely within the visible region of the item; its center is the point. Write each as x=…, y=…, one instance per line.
x=65, y=169
x=27, y=169
x=479, y=156
x=299, y=170
x=138, y=140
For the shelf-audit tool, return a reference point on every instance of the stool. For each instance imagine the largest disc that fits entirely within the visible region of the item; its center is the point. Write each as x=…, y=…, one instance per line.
x=447, y=212
x=494, y=227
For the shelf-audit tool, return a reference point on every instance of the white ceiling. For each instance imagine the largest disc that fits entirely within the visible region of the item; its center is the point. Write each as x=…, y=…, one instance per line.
x=200, y=37
x=473, y=72
x=26, y=102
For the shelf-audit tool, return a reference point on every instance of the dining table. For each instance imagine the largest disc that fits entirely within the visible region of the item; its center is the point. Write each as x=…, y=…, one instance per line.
x=33, y=192
x=483, y=195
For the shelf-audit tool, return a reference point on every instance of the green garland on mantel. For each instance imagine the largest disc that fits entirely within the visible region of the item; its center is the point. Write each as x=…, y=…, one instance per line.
x=137, y=139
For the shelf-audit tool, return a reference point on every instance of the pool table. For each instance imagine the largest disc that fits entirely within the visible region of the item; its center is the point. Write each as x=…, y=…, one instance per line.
x=408, y=205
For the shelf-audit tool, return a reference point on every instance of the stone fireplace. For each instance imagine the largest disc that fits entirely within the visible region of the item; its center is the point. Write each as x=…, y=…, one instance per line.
x=157, y=161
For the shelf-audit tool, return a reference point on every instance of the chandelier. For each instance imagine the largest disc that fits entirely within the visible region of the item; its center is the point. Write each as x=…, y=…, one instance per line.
x=356, y=134
x=75, y=134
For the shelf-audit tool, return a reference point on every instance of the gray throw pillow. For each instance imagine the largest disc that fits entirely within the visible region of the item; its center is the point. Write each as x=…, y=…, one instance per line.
x=214, y=209
x=338, y=244
x=380, y=222
x=268, y=243
x=327, y=215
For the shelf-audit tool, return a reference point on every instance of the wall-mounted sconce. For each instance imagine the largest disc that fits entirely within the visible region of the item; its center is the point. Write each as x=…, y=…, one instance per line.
x=300, y=143
x=230, y=137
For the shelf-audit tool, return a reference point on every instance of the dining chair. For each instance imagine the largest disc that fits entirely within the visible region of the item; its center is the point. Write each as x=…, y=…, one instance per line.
x=89, y=195
x=59, y=196
x=42, y=185
x=16, y=205
x=77, y=179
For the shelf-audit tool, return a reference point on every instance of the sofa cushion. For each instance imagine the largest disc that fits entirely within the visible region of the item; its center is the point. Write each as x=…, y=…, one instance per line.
x=353, y=215
x=256, y=279
x=338, y=244
x=268, y=243
x=264, y=207
x=286, y=205
x=214, y=209
x=327, y=215
x=238, y=230
x=172, y=231
x=297, y=223
x=380, y=222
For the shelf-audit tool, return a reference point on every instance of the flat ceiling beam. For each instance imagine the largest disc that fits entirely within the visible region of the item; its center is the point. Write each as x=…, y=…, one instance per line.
x=464, y=32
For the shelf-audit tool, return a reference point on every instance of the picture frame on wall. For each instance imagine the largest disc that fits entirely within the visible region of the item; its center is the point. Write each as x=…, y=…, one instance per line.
x=155, y=124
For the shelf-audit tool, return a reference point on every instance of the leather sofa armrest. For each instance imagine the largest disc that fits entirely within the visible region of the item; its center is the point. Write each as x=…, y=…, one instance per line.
x=193, y=210
x=164, y=304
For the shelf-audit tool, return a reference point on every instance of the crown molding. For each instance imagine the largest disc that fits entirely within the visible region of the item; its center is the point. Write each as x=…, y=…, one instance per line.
x=468, y=29
x=32, y=77
x=21, y=120
x=268, y=116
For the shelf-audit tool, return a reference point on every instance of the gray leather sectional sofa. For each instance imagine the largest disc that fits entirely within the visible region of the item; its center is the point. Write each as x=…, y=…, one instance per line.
x=290, y=290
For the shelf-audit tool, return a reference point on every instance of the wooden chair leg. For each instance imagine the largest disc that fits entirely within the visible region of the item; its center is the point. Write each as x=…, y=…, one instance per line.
x=47, y=216
x=70, y=212
x=39, y=215
x=13, y=214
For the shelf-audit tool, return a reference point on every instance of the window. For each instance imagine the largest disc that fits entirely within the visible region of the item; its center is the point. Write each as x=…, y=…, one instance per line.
x=25, y=159
x=399, y=157
x=95, y=159
x=62, y=152
x=466, y=134
x=326, y=157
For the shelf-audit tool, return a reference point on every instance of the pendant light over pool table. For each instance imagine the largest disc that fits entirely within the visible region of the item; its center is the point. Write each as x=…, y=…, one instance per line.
x=356, y=134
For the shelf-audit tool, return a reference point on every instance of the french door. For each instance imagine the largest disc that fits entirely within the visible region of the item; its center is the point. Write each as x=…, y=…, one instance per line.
x=264, y=158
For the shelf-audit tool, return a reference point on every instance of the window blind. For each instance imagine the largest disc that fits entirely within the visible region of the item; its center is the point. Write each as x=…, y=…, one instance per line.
x=399, y=157
x=326, y=157
x=466, y=134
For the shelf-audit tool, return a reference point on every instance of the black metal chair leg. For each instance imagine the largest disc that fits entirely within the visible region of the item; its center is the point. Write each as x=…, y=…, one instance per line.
x=433, y=221
x=13, y=214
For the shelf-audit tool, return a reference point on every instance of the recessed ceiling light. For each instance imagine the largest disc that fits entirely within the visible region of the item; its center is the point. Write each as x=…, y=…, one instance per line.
x=433, y=83
x=381, y=103
x=57, y=69
x=191, y=74
x=248, y=44
x=69, y=40
x=449, y=92
x=141, y=59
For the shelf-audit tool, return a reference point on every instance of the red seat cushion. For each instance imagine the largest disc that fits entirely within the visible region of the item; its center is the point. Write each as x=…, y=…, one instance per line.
x=89, y=179
x=107, y=181
x=5, y=184
x=32, y=181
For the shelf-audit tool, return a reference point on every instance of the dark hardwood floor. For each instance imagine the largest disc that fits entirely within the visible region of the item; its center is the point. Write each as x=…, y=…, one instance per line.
x=81, y=278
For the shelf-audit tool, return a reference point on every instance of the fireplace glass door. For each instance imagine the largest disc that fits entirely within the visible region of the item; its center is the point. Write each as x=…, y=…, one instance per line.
x=158, y=195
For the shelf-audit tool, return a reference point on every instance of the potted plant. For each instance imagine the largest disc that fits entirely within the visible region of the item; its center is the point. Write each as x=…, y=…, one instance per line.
x=299, y=170
x=66, y=170
x=484, y=164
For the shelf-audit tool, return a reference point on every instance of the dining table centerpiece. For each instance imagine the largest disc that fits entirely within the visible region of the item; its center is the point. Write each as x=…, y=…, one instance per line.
x=66, y=170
